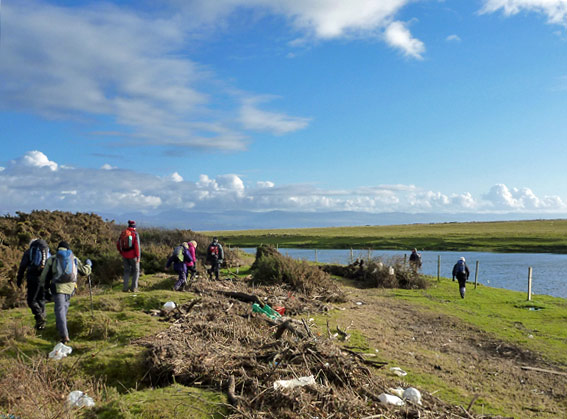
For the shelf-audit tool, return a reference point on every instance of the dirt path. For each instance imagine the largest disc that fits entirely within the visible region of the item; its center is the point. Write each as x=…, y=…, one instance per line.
x=460, y=355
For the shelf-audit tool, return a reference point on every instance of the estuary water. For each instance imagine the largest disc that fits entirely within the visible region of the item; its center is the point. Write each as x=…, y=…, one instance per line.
x=499, y=270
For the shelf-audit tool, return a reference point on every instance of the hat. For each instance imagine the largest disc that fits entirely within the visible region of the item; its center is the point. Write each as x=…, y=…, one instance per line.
x=463, y=259
x=194, y=243
x=63, y=244
x=185, y=245
x=131, y=223
x=215, y=239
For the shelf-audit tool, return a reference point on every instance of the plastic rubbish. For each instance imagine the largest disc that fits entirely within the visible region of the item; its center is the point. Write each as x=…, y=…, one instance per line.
x=280, y=310
x=296, y=382
x=412, y=394
x=267, y=310
x=170, y=305
x=391, y=271
x=79, y=399
x=397, y=391
x=390, y=399
x=60, y=351
x=398, y=371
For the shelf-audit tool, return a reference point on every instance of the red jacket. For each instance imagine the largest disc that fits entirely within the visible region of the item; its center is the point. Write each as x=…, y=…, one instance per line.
x=132, y=253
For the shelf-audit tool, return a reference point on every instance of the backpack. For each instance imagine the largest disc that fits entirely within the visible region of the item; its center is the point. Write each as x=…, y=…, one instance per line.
x=178, y=252
x=213, y=251
x=126, y=240
x=66, y=268
x=39, y=253
x=461, y=267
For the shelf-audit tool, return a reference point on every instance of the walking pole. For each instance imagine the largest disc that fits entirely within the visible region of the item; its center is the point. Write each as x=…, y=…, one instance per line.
x=91, y=294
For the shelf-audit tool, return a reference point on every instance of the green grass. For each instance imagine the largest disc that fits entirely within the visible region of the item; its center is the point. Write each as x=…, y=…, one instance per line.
x=503, y=313
x=538, y=236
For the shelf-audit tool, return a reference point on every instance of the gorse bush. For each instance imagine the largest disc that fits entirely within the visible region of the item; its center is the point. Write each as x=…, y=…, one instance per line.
x=89, y=237
x=271, y=267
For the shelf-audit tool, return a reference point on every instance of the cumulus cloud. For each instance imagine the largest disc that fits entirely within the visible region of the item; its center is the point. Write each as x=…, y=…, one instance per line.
x=555, y=10
x=398, y=36
x=176, y=177
x=453, y=38
x=38, y=159
x=102, y=190
x=318, y=20
x=107, y=166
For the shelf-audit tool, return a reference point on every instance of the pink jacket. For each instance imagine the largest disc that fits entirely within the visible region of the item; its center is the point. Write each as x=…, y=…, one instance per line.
x=192, y=253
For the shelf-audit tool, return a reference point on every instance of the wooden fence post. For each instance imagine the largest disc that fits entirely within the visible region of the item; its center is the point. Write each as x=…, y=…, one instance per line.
x=368, y=254
x=438, y=268
x=530, y=283
x=476, y=275
x=351, y=257
x=316, y=258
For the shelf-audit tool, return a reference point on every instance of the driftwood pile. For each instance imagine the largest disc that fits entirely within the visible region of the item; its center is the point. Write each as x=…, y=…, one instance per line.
x=217, y=341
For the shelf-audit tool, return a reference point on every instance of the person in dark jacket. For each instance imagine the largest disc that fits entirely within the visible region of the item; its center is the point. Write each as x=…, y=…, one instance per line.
x=415, y=260
x=215, y=256
x=131, y=255
x=62, y=283
x=180, y=259
x=33, y=261
x=461, y=272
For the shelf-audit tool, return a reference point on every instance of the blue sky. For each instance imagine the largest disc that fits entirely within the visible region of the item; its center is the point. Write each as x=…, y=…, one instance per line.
x=298, y=105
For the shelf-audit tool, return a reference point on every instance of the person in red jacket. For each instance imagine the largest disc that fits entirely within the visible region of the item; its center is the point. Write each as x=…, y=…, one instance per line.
x=128, y=245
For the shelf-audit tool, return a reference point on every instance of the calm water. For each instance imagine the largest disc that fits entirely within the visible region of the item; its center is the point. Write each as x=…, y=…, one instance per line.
x=500, y=270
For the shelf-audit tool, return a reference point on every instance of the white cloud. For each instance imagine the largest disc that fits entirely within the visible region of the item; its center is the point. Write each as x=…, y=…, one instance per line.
x=398, y=36
x=129, y=66
x=107, y=166
x=555, y=10
x=176, y=177
x=255, y=119
x=81, y=189
x=38, y=159
x=318, y=19
x=453, y=38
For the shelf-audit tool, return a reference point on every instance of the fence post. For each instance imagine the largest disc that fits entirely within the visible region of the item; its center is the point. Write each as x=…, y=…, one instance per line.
x=530, y=283
x=368, y=254
x=405, y=259
x=316, y=258
x=351, y=257
x=476, y=275
x=438, y=268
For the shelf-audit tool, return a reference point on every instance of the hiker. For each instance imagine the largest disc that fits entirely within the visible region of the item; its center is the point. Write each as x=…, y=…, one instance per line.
x=180, y=258
x=461, y=271
x=215, y=255
x=128, y=245
x=192, y=266
x=415, y=260
x=59, y=278
x=33, y=261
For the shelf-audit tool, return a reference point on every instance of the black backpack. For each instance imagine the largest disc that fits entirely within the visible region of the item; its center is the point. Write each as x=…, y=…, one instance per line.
x=39, y=253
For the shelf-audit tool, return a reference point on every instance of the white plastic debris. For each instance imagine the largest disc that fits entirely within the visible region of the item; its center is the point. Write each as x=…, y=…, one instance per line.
x=79, y=399
x=390, y=399
x=296, y=382
x=60, y=351
x=170, y=305
x=391, y=271
x=412, y=394
x=398, y=371
x=397, y=391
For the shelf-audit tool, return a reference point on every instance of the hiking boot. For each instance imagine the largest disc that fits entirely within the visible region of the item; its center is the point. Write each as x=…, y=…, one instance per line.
x=65, y=341
x=40, y=324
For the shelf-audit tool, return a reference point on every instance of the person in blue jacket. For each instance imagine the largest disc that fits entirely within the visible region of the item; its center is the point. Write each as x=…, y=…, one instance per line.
x=461, y=272
x=180, y=258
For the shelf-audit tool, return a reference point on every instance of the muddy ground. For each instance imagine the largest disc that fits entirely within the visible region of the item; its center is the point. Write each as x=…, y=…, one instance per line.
x=471, y=361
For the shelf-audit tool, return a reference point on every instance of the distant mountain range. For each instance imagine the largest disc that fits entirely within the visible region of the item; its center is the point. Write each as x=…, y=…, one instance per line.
x=246, y=220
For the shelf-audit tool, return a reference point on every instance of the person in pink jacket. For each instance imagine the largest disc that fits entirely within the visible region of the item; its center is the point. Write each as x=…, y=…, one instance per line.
x=192, y=266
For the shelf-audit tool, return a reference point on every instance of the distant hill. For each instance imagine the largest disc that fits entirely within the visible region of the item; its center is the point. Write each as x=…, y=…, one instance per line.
x=246, y=220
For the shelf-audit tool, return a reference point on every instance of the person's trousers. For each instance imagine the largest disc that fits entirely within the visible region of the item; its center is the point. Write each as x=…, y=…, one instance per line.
x=181, y=280
x=36, y=299
x=462, y=288
x=62, y=302
x=131, y=271
x=214, y=269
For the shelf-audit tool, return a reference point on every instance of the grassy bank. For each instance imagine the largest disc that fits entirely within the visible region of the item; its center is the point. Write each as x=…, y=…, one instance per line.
x=539, y=236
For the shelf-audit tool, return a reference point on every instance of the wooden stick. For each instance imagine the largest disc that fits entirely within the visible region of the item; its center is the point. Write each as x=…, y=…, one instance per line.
x=525, y=367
